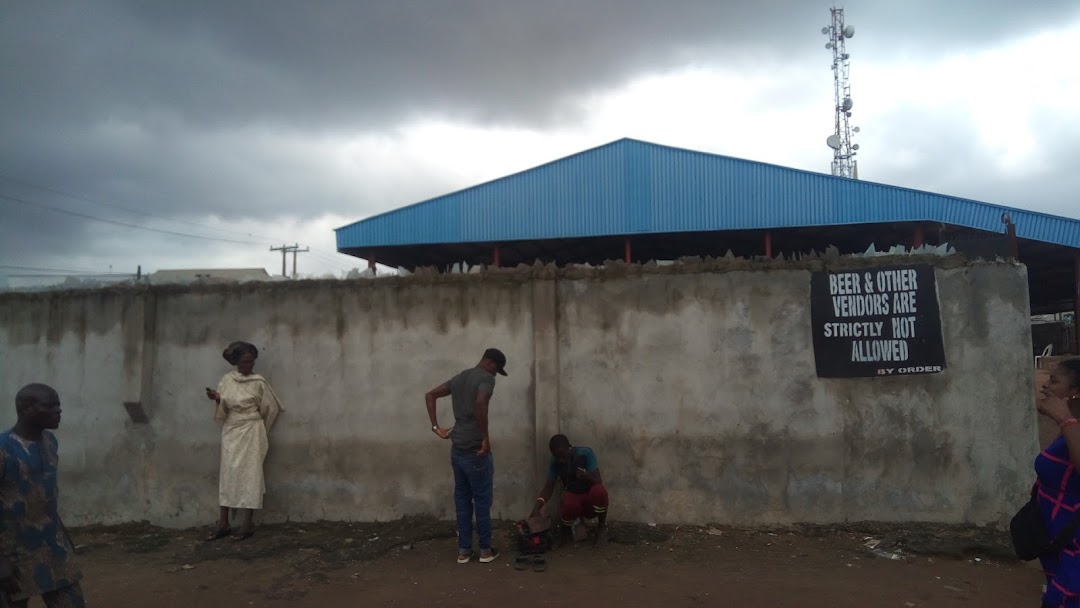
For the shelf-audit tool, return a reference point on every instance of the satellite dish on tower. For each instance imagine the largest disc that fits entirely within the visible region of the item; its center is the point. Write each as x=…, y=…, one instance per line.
x=847, y=104
x=825, y=30
x=856, y=129
x=833, y=141
x=828, y=45
x=855, y=147
x=849, y=31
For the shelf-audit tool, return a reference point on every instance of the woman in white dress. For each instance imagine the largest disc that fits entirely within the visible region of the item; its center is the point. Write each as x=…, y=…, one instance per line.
x=246, y=407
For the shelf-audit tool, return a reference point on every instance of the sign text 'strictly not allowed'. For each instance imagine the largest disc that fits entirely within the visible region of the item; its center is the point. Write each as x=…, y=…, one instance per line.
x=876, y=322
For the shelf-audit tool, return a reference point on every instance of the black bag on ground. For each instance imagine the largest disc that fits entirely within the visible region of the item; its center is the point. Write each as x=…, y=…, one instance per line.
x=529, y=542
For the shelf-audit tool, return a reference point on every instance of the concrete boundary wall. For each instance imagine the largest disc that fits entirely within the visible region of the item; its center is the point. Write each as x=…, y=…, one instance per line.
x=695, y=384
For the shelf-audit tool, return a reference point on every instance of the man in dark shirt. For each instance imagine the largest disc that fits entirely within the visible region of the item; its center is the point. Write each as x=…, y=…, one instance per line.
x=584, y=494
x=470, y=456
x=36, y=554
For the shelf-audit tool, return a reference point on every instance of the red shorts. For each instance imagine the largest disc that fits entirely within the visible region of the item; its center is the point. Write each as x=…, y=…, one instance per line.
x=587, y=505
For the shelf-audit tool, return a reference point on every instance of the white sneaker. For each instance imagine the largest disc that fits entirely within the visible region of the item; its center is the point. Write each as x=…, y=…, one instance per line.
x=487, y=558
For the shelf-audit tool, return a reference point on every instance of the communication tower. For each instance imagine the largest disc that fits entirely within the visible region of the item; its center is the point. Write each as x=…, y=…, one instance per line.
x=843, y=163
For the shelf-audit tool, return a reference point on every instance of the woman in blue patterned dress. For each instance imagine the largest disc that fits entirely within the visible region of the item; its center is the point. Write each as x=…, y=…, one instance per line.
x=1058, y=484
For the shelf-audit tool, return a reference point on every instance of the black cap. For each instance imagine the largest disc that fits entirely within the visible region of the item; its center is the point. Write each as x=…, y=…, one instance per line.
x=498, y=357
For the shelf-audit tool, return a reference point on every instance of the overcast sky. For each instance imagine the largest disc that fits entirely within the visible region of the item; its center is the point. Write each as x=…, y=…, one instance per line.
x=251, y=123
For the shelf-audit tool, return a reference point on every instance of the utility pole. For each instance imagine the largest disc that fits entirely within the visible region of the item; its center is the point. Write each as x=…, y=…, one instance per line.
x=295, y=250
x=282, y=249
x=285, y=250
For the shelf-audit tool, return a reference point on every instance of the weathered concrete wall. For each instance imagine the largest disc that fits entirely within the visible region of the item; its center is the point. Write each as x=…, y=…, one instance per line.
x=697, y=389
x=700, y=394
x=350, y=361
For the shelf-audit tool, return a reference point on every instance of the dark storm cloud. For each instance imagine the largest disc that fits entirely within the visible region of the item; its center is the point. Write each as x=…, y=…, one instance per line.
x=159, y=105
x=361, y=64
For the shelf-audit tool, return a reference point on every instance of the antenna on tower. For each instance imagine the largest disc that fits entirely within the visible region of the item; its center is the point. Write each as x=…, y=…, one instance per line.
x=843, y=163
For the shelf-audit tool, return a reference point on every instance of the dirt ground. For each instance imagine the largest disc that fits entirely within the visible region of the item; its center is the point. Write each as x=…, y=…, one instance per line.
x=410, y=562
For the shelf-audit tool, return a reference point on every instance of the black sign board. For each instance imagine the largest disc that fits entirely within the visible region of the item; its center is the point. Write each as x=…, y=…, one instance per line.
x=881, y=321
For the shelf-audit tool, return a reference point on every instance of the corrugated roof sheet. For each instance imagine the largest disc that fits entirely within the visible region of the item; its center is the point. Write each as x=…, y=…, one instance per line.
x=632, y=187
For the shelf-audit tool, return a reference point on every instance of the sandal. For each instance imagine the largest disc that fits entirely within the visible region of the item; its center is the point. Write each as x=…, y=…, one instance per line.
x=217, y=533
x=539, y=564
x=522, y=562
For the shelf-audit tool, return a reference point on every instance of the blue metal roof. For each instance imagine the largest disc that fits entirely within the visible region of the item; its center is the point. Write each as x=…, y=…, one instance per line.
x=633, y=187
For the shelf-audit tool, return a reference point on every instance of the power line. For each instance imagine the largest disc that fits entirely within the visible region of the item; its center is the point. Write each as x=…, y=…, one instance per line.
x=39, y=275
x=341, y=264
x=129, y=209
x=119, y=223
x=65, y=270
x=268, y=240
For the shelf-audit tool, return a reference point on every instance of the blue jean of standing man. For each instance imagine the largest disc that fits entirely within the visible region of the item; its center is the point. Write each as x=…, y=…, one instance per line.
x=473, y=490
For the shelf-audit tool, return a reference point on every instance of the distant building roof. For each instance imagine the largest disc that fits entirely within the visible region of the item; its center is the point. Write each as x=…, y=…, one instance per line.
x=192, y=275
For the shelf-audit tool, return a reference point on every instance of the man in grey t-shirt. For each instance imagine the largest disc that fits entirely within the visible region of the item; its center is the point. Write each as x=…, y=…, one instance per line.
x=470, y=456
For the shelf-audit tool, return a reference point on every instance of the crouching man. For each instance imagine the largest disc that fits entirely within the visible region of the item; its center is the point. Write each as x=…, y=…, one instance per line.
x=584, y=495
